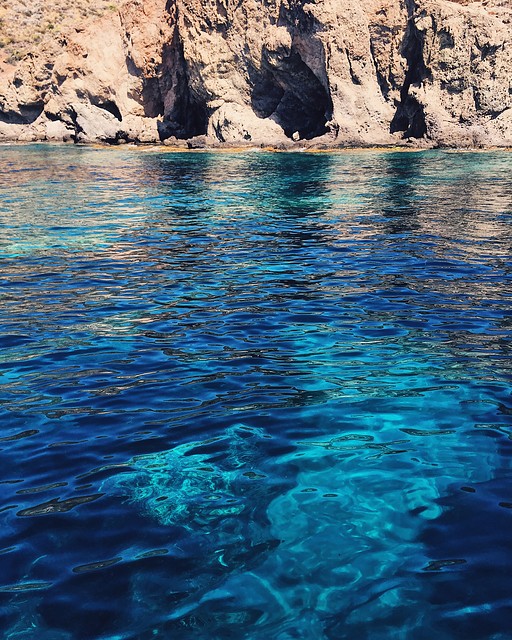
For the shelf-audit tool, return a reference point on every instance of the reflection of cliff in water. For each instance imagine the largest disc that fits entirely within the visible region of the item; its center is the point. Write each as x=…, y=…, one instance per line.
x=242, y=215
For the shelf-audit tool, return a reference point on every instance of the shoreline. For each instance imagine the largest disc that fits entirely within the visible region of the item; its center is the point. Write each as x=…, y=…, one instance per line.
x=237, y=148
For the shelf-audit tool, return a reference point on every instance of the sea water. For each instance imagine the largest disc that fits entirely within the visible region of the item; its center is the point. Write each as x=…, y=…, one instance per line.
x=254, y=395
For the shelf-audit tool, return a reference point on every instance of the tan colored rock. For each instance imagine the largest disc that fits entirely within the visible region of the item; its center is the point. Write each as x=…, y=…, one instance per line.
x=58, y=130
x=461, y=73
x=372, y=72
x=234, y=123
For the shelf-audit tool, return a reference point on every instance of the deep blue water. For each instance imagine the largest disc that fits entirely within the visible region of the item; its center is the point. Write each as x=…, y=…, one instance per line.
x=255, y=396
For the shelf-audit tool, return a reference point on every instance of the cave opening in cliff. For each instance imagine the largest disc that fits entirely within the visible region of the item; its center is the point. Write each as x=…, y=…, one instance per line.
x=187, y=119
x=26, y=114
x=409, y=118
x=185, y=113
x=292, y=95
x=111, y=107
x=410, y=114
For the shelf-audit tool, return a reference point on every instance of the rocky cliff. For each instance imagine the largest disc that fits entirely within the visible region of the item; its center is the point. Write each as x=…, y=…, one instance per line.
x=279, y=72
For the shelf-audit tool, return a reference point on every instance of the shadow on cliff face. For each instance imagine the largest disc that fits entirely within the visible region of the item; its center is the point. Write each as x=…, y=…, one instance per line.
x=290, y=94
x=410, y=115
x=27, y=114
x=166, y=94
x=184, y=114
x=286, y=89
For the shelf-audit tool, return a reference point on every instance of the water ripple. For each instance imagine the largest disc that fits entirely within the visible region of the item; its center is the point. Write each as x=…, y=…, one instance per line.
x=255, y=395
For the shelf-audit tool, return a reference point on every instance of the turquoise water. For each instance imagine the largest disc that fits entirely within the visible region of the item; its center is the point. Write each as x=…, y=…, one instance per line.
x=255, y=396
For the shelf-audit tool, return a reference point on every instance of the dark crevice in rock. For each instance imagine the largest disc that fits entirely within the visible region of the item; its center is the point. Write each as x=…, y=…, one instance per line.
x=74, y=119
x=286, y=89
x=185, y=114
x=353, y=75
x=293, y=16
x=54, y=117
x=410, y=118
x=291, y=94
x=384, y=85
x=27, y=114
x=446, y=40
x=488, y=50
x=266, y=94
x=111, y=107
x=497, y=113
x=152, y=97
x=11, y=117
x=218, y=132
x=410, y=114
x=222, y=23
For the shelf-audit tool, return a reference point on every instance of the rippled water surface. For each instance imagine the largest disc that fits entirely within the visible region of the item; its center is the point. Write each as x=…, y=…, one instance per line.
x=255, y=396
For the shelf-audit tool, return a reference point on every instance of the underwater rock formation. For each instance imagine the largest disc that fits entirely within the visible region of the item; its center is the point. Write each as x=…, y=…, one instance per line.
x=286, y=72
x=343, y=540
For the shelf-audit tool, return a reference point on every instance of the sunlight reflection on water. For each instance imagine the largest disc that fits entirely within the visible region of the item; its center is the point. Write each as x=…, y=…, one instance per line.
x=276, y=387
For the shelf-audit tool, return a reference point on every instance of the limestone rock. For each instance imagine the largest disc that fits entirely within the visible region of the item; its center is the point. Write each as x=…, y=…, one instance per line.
x=279, y=72
x=234, y=123
x=460, y=73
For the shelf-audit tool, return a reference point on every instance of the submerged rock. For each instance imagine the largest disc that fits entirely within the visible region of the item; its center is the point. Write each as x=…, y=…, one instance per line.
x=340, y=541
x=212, y=488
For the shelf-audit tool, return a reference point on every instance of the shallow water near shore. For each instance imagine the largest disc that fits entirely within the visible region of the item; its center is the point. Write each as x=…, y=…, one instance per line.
x=255, y=395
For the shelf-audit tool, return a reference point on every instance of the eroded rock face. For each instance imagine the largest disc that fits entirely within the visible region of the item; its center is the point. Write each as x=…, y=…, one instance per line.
x=280, y=72
x=459, y=85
